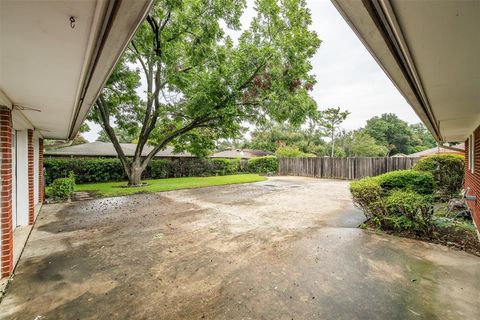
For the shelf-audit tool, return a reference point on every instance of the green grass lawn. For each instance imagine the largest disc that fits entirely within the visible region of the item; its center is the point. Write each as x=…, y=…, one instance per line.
x=118, y=188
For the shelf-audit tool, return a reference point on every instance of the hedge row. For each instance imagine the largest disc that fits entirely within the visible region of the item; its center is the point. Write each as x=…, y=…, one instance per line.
x=404, y=200
x=90, y=170
x=399, y=200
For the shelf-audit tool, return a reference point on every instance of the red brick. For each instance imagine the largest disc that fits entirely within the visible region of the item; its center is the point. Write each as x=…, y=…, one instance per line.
x=472, y=181
x=6, y=193
x=31, y=199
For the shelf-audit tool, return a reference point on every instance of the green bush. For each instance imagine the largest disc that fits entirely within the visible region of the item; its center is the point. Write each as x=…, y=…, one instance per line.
x=392, y=202
x=268, y=164
x=62, y=188
x=412, y=206
x=398, y=223
x=368, y=195
x=85, y=169
x=292, y=152
x=91, y=170
x=418, y=181
x=447, y=171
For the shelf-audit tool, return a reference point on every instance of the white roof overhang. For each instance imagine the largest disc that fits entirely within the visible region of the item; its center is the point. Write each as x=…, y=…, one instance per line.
x=52, y=71
x=430, y=51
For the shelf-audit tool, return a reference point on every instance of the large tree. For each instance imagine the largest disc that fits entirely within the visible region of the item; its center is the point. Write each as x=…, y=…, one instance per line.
x=272, y=135
x=358, y=143
x=423, y=138
x=331, y=119
x=199, y=85
x=392, y=132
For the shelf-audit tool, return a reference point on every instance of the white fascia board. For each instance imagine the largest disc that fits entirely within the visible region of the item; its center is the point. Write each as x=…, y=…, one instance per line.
x=121, y=23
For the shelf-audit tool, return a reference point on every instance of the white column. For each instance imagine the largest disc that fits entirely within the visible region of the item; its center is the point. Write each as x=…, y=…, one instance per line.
x=22, y=178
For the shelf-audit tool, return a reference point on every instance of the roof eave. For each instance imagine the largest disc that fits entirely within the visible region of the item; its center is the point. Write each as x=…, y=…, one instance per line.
x=376, y=27
x=122, y=19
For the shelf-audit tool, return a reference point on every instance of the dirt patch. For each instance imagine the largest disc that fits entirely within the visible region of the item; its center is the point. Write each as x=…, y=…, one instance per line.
x=452, y=238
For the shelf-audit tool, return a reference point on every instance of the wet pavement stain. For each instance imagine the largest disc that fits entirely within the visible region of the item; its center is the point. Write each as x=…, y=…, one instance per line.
x=234, y=252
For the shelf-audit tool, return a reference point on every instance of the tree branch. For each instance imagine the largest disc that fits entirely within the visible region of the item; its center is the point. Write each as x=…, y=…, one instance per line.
x=104, y=114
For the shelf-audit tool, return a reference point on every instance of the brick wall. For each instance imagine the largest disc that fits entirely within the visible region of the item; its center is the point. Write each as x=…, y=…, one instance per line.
x=6, y=191
x=40, y=172
x=31, y=180
x=472, y=181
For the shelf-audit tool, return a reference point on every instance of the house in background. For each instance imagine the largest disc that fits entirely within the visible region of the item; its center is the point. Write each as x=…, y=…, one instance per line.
x=55, y=57
x=431, y=52
x=457, y=149
x=106, y=149
x=244, y=154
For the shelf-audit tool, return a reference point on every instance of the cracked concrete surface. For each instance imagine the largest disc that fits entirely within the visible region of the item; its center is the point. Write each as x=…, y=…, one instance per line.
x=286, y=248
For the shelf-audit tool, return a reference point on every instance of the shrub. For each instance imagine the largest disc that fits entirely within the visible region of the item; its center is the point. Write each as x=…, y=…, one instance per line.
x=268, y=164
x=62, y=188
x=292, y=152
x=85, y=169
x=158, y=169
x=91, y=170
x=447, y=171
x=390, y=201
x=418, y=181
x=412, y=206
x=368, y=195
x=398, y=223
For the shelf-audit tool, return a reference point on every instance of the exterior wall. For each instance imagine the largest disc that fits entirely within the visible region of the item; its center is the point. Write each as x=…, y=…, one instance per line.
x=6, y=230
x=21, y=183
x=472, y=181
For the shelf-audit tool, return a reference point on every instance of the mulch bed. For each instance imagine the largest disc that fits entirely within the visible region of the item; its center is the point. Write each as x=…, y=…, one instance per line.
x=455, y=239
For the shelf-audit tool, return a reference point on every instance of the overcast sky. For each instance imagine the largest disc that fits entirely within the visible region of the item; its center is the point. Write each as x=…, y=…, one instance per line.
x=347, y=75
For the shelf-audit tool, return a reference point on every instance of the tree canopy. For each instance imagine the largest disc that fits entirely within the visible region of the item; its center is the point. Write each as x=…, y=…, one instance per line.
x=397, y=135
x=200, y=85
x=331, y=119
x=377, y=139
x=272, y=135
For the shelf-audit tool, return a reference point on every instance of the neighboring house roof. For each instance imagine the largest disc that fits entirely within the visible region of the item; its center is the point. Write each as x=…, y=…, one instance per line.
x=106, y=149
x=399, y=155
x=437, y=150
x=240, y=153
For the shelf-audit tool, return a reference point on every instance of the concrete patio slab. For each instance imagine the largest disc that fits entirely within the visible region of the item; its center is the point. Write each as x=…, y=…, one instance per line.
x=286, y=248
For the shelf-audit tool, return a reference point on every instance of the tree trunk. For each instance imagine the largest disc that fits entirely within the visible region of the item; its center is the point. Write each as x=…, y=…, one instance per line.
x=134, y=180
x=333, y=142
x=135, y=176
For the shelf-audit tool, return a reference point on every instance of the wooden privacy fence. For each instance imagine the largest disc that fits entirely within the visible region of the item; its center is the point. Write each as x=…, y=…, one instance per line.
x=342, y=168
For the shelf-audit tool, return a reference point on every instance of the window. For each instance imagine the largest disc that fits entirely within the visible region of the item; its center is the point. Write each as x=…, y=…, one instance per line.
x=471, y=153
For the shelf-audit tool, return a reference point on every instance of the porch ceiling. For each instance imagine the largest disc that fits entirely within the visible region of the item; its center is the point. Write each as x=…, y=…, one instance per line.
x=46, y=64
x=431, y=52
